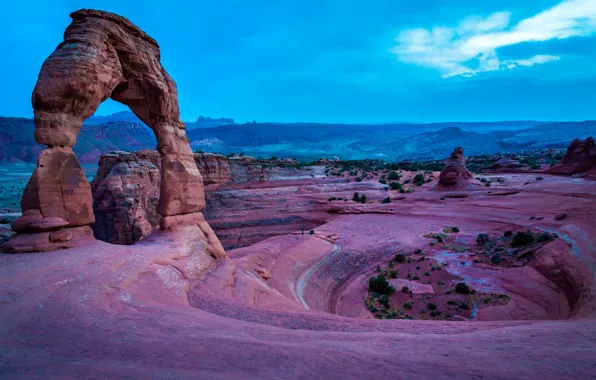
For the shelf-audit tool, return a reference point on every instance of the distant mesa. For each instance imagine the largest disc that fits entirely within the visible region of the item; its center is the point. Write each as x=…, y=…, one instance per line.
x=455, y=174
x=579, y=159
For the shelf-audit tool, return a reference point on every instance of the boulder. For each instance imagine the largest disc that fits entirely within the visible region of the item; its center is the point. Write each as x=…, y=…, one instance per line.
x=580, y=158
x=455, y=174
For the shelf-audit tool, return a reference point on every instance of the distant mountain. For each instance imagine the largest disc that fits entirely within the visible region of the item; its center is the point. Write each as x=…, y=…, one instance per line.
x=201, y=122
x=305, y=141
x=17, y=143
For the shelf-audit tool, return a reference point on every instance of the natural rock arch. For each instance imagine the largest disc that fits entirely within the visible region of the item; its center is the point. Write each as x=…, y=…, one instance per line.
x=103, y=56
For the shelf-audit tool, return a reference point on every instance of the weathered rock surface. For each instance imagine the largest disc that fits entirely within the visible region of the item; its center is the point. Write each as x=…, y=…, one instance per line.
x=214, y=168
x=57, y=189
x=507, y=164
x=104, y=55
x=580, y=158
x=248, y=169
x=125, y=199
x=455, y=174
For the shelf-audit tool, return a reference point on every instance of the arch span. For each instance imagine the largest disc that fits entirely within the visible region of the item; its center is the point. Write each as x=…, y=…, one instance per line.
x=103, y=56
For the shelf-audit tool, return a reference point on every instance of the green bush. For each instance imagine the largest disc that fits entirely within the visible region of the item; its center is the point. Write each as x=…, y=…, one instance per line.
x=522, y=238
x=431, y=306
x=482, y=239
x=393, y=274
x=462, y=288
x=379, y=284
x=393, y=175
x=358, y=179
x=356, y=197
x=407, y=305
x=386, y=200
x=384, y=300
x=396, y=186
x=542, y=237
x=405, y=289
x=495, y=258
x=400, y=258
x=508, y=234
x=419, y=179
x=312, y=232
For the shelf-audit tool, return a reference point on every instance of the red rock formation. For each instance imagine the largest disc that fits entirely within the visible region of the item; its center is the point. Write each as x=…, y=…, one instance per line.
x=125, y=199
x=103, y=55
x=214, y=168
x=580, y=158
x=455, y=174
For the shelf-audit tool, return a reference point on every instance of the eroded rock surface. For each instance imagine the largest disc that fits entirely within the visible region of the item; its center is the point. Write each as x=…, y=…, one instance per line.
x=103, y=55
x=455, y=174
x=580, y=158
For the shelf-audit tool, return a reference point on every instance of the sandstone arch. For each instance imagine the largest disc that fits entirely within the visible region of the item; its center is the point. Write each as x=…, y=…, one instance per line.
x=103, y=56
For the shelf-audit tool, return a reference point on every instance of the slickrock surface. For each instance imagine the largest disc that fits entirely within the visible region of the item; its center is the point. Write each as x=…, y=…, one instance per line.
x=292, y=306
x=580, y=158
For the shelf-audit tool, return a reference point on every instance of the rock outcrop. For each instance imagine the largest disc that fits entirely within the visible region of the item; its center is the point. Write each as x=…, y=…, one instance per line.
x=455, y=174
x=214, y=168
x=249, y=169
x=580, y=158
x=126, y=192
x=507, y=164
x=125, y=196
x=103, y=55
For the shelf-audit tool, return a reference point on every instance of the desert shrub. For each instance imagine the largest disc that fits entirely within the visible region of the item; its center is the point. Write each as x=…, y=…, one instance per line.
x=312, y=232
x=358, y=179
x=560, y=216
x=451, y=302
x=426, y=274
x=405, y=289
x=431, y=306
x=384, y=300
x=419, y=179
x=451, y=230
x=495, y=258
x=416, y=277
x=373, y=308
x=464, y=306
x=400, y=258
x=383, y=181
x=356, y=197
x=395, y=186
x=393, y=274
x=386, y=200
x=522, y=238
x=379, y=284
x=539, y=178
x=407, y=305
x=508, y=234
x=542, y=237
x=462, y=288
x=482, y=239
x=363, y=198
x=393, y=175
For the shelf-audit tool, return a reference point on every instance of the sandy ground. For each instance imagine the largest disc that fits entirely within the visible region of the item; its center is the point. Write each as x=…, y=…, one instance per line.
x=292, y=306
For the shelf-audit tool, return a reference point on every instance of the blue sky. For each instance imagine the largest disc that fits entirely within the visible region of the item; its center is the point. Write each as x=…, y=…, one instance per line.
x=341, y=61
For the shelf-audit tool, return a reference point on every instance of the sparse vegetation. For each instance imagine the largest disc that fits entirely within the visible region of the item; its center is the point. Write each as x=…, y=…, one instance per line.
x=522, y=238
x=462, y=288
x=482, y=239
x=379, y=284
